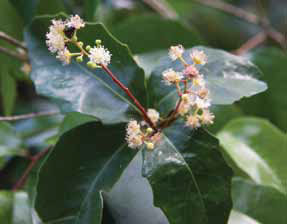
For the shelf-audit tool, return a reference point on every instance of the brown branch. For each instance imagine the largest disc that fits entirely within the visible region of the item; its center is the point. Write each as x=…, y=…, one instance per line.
x=247, y=16
x=128, y=92
x=21, y=57
x=34, y=159
x=226, y=7
x=12, y=40
x=28, y=116
x=251, y=43
x=162, y=7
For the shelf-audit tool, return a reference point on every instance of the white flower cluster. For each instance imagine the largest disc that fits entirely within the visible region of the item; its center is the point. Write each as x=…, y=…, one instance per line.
x=139, y=134
x=195, y=102
x=99, y=55
x=56, y=37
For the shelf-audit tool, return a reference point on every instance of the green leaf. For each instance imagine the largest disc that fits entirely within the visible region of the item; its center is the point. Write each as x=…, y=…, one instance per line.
x=189, y=178
x=93, y=163
x=229, y=78
x=79, y=89
x=141, y=33
x=258, y=149
x=264, y=204
x=14, y=208
x=10, y=143
x=272, y=103
x=73, y=120
x=223, y=114
x=91, y=8
x=8, y=92
x=26, y=9
x=239, y=218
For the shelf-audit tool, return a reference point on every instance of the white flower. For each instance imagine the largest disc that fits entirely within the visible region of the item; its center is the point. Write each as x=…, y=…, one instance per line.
x=207, y=117
x=193, y=121
x=170, y=76
x=198, y=57
x=176, y=52
x=57, y=26
x=55, y=36
x=202, y=103
x=203, y=93
x=133, y=128
x=135, y=141
x=76, y=22
x=153, y=115
x=199, y=81
x=64, y=56
x=99, y=55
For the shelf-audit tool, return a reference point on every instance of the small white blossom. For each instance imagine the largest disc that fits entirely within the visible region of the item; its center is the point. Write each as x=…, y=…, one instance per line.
x=203, y=93
x=55, y=36
x=176, y=52
x=202, y=103
x=199, y=81
x=64, y=56
x=99, y=55
x=135, y=141
x=198, y=57
x=207, y=117
x=76, y=22
x=170, y=76
x=153, y=115
x=133, y=128
x=193, y=121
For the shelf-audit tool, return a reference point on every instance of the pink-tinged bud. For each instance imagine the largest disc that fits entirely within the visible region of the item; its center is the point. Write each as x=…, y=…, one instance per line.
x=191, y=71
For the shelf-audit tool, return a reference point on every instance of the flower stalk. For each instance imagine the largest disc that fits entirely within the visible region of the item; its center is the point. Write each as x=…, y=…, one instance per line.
x=193, y=100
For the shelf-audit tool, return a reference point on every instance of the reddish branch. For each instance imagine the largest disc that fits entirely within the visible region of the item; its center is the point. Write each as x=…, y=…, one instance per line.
x=251, y=43
x=128, y=92
x=34, y=159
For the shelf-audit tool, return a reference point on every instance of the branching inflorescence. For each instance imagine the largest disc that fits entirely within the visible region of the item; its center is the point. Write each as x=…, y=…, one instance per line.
x=193, y=103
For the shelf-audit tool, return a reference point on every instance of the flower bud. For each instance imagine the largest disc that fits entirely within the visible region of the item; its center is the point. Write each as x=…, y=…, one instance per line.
x=79, y=59
x=149, y=130
x=149, y=145
x=98, y=42
x=88, y=47
x=81, y=44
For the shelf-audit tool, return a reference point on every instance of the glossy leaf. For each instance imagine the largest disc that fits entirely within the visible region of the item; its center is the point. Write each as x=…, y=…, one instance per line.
x=239, y=218
x=93, y=163
x=10, y=143
x=148, y=33
x=189, y=178
x=90, y=8
x=258, y=149
x=131, y=198
x=223, y=114
x=229, y=78
x=264, y=204
x=14, y=208
x=79, y=89
x=73, y=120
x=272, y=103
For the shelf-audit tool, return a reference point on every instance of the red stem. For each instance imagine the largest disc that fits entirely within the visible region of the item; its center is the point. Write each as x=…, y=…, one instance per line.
x=34, y=159
x=128, y=92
